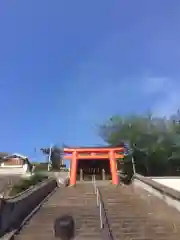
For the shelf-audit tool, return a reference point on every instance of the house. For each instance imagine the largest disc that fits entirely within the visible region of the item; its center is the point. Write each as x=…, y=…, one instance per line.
x=15, y=163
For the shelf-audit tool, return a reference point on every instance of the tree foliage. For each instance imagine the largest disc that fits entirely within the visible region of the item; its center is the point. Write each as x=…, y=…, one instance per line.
x=56, y=156
x=3, y=154
x=153, y=142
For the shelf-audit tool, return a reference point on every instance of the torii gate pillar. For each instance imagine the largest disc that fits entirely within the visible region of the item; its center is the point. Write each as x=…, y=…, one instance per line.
x=73, y=169
x=113, y=167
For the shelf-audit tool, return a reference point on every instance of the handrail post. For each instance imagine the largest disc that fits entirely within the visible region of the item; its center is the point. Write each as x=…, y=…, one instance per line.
x=81, y=174
x=97, y=197
x=100, y=213
x=94, y=183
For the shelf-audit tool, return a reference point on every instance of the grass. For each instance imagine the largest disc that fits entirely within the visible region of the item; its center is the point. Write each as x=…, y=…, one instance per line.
x=25, y=184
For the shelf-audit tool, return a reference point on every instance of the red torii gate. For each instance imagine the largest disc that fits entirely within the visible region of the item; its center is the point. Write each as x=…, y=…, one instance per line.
x=91, y=153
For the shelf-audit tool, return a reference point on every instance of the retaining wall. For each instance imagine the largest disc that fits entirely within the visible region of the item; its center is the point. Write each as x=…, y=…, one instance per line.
x=14, y=210
x=171, y=182
x=165, y=193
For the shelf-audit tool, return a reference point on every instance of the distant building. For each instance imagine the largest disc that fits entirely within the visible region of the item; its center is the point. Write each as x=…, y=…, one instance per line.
x=17, y=162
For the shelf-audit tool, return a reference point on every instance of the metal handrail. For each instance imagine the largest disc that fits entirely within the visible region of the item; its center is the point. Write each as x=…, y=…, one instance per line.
x=98, y=201
x=102, y=213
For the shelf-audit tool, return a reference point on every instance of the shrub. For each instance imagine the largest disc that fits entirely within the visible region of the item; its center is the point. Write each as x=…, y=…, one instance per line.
x=24, y=184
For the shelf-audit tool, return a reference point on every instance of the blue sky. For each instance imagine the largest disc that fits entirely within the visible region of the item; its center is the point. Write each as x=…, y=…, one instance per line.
x=66, y=66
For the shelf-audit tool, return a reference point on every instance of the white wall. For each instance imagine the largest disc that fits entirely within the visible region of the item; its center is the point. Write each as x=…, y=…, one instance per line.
x=173, y=183
x=13, y=170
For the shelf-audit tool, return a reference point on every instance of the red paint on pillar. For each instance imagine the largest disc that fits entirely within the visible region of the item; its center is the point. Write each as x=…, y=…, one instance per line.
x=70, y=168
x=73, y=168
x=113, y=167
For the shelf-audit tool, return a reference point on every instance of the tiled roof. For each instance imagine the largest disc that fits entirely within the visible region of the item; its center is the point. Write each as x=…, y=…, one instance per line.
x=115, y=146
x=15, y=155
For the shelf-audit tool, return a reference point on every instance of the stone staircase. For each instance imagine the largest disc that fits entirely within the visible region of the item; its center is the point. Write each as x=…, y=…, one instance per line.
x=134, y=214
x=79, y=202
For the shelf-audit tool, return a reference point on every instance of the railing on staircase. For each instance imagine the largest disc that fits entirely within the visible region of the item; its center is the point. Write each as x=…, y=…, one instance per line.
x=104, y=223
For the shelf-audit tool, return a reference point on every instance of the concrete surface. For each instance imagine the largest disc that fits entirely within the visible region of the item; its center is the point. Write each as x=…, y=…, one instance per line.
x=171, y=182
x=12, y=171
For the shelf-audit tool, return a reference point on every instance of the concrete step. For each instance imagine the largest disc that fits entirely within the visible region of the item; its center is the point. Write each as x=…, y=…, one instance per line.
x=79, y=202
x=133, y=217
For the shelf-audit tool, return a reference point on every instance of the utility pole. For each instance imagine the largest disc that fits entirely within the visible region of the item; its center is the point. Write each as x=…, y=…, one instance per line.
x=49, y=157
x=132, y=160
x=133, y=165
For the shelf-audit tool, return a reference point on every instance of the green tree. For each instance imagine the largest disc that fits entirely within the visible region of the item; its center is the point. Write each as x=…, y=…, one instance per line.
x=3, y=154
x=153, y=142
x=56, y=156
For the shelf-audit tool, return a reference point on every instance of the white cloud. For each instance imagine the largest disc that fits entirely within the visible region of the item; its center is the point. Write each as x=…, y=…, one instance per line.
x=169, y=95
x=104, y=99
x=107, y=82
